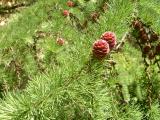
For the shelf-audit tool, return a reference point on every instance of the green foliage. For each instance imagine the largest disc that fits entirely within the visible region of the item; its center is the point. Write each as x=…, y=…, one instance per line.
x=41, y=80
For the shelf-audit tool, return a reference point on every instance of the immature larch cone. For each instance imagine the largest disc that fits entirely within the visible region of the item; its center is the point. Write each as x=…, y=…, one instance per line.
x=70, y=3
x=110, y=38
x=100, y=49
x=66, y=13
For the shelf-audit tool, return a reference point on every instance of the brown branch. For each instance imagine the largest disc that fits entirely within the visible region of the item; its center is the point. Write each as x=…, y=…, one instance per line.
x=123, y=40
x=36, y=53
x=7, y=9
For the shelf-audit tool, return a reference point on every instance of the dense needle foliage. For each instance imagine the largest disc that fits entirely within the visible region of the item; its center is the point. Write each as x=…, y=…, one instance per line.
x=43, y=80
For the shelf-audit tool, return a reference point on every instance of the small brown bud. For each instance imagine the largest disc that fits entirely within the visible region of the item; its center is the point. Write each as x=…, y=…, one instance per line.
x=144, y=38
x=146, y=49
x=154, y=37
x=95, y=16
x=142, y=32
x=137, y=24
x=158, y=49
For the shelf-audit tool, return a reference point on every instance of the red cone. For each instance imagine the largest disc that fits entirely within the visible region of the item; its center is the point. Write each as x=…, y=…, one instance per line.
x=109, y=37
x=66, y=13
x=100, y=49
x=70, y=3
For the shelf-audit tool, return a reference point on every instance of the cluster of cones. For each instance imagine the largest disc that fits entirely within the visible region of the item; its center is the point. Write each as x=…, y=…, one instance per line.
x=69, y=4
x=94, y=16
x=103, y=46
x=148, y=40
